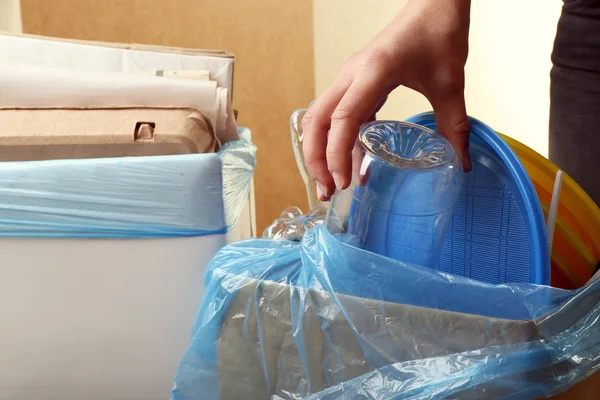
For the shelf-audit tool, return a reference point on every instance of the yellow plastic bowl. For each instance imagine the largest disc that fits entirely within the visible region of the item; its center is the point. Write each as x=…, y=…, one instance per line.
x=576, y=245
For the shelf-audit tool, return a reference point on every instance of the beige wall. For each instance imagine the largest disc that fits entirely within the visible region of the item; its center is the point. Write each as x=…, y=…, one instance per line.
x=507, y=72
x=272, y=43
x=10, y=15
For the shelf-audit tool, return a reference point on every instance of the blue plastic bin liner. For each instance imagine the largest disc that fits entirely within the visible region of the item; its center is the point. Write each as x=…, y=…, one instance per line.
x=321, y=319
x=132, y=197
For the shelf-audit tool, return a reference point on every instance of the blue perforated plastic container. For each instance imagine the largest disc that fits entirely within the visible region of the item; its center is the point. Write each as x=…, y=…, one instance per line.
x=498, y=233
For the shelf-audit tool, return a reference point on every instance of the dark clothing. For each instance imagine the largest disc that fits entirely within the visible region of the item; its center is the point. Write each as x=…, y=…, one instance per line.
x=575, y=95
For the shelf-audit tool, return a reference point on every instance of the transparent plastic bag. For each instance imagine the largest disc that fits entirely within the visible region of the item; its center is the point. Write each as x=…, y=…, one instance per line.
x=321, y=319
x=239, y=159
x=292, y=224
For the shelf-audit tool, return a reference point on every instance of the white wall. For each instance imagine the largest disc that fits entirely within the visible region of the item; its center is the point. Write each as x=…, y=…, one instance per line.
x=10, y=15
x=507, y=72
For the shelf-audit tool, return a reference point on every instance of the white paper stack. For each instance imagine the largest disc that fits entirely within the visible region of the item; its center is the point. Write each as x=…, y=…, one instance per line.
x=40, y=72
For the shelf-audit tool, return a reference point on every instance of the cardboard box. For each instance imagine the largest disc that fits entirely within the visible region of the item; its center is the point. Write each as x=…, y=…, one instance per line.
x=33, y=134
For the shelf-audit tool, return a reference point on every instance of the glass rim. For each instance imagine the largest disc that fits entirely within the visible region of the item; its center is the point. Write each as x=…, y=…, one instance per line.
x=396, y=161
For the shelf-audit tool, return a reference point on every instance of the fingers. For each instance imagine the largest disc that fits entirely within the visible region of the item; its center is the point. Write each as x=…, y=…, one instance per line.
x=315, y=127
x=354, y=109
x=452, y=122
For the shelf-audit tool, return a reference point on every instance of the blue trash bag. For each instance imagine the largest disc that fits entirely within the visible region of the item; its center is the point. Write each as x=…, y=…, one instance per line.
x=320, y=319
x=127, y=197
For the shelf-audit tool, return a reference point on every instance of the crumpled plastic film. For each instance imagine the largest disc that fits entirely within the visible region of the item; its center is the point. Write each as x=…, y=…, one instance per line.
x=239, y=159
x=131, y=197
x=292, y=224
x=320, y=319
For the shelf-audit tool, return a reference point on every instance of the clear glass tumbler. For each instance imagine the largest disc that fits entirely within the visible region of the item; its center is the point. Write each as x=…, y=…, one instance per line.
x=406, y=181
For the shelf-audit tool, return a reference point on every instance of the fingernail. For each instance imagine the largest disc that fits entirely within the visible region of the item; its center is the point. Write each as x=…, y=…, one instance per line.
x=338, y=180
x=320, y=194
x=467, y=162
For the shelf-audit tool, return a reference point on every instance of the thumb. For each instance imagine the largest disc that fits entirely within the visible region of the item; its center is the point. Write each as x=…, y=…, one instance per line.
x=452, y=122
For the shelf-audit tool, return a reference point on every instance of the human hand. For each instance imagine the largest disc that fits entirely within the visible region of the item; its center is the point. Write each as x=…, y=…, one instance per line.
x=424, y=48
